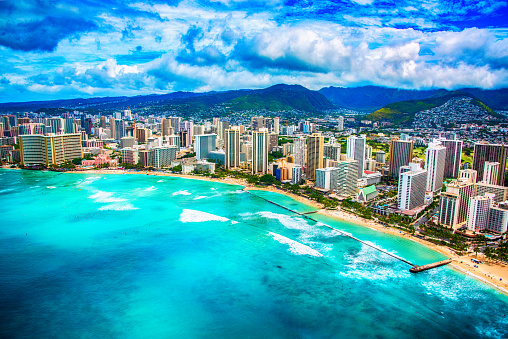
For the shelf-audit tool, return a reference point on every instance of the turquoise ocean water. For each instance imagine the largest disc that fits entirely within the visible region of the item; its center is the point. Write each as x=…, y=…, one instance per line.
x=135, y=256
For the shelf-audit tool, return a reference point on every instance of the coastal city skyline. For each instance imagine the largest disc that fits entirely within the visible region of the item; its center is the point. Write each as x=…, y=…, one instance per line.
x=246, y=168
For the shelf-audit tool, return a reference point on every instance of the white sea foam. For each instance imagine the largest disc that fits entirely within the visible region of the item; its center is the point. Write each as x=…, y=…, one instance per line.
x=151, y=188
x=118, y=207
x=294, y=246
x=200, y=197
x=51, y=187
x=198, y=216
x=160, y=180
x=366, y=265
x=104, y=197
x=34, y=186
x=182, y=192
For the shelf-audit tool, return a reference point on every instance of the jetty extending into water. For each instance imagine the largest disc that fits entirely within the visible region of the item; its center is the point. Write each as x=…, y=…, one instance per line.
x=414, y=268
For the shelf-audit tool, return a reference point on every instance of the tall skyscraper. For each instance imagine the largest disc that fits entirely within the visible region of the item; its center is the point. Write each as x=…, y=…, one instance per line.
x=232, y=143
x=381, y=157
x=103, y=121
x=347, y=177
x=315, y=149
x=120, y=130
x=401, y=153
x=112, y=128
x=453, y=154
x=276, y=125
x=340, y=124
x=356, y=150
x=484, y=152
x=175, y=123
x=411, y=193
x=435, y=164
x=332, y=151
x=260, y=152
x=57, y=125
x=165, y=126
x=491, y=172
x=296, y=172
x=299, y=151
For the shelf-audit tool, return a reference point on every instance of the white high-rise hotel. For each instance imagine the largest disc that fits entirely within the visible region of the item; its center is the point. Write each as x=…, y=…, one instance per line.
x=412, y=182
x=356, y=150
x=435, y=166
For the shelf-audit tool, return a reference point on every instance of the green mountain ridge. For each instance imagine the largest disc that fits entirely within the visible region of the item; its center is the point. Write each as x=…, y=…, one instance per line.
x=403, y=112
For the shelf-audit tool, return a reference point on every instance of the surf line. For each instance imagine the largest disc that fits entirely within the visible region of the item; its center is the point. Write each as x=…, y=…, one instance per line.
x=337, y=230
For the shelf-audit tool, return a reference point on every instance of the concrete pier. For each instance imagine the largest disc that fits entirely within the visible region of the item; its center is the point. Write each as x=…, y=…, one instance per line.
x=416, y=269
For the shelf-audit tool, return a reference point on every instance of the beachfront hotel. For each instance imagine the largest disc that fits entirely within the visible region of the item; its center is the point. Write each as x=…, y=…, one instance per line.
x=356, y=147
x=260, y=152
x=435, y=165
x=49, y=149
x=315, y=147
x=232, y=148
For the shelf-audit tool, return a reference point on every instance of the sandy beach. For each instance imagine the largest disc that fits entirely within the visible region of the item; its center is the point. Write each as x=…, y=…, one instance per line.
x=492, y=273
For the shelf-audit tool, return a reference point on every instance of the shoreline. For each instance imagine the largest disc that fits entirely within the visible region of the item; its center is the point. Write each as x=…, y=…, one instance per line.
x=484, y=272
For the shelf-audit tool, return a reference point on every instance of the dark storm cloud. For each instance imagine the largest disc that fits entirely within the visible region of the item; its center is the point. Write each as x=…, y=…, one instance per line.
x=43, y=35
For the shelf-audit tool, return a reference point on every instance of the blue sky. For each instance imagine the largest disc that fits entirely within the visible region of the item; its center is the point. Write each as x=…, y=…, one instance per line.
x=72, y=49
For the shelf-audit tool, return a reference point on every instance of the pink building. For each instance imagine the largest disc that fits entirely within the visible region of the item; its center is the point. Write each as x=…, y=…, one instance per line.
x=101, y=159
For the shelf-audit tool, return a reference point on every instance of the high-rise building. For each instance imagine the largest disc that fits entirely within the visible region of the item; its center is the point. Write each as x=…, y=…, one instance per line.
x=315, y=149
x=276, y=125
x=485, y=152
x=103, y=121
x=356, y=150
x=221, y=129
x=468, y=174
x=204, y=144
x=478, y=212
x=498, y=218
x=120, y=130
x=340, y=124
x=453, y=203
x=412, y=184
x=57, y=125
x=299, y=151
x=491, y=172
x=112, y=128
x=130, y=156
x=435, y=164
x=327, y=178
x=453, y=157
x=257, y=123
x=260, y=152
x=381, y=157
x=88, y=125
x=347, y=177
x=127, y=142
x=296, y=172
x=500, y=192
x=232, y=148
x=163, y=156
x=49, y=150
x=175, y=123
x=145, y=158
x=165, y=126
x=332, y=151
x=401, y=153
